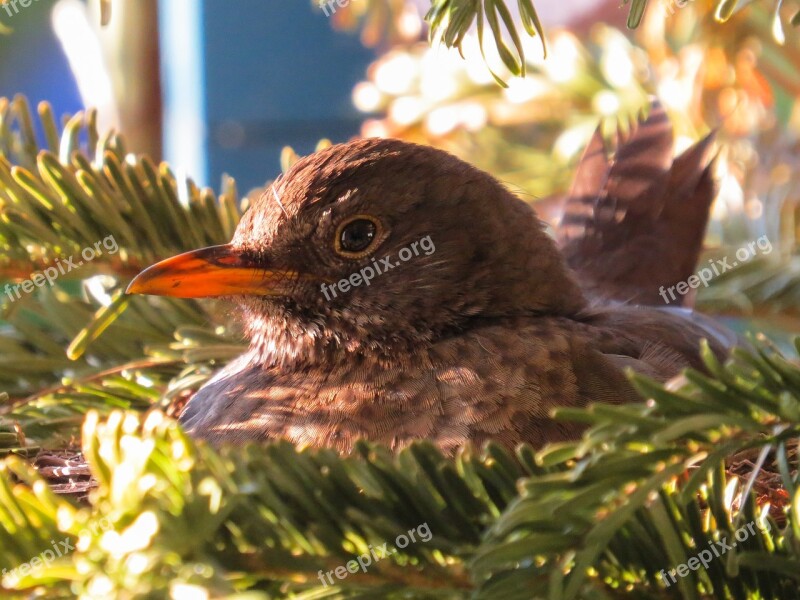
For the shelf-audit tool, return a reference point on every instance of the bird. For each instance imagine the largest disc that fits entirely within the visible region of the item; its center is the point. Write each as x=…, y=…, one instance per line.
x=392, y=292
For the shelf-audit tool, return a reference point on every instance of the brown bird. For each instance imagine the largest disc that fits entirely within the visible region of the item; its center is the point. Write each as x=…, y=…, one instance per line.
x=393, y=292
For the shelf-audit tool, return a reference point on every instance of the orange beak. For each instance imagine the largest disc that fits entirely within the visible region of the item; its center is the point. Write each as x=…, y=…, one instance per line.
x=209, y=272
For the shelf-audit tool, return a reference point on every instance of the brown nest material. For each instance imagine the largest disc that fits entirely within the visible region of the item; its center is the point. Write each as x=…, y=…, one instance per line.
x=768, y=484
x=67, y=473
x=178, y=403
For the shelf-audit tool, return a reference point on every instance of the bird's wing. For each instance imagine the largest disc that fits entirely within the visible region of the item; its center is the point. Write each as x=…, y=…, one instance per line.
x=509, y=378
x=635, y=223
x=711, y=329
x=665, y=339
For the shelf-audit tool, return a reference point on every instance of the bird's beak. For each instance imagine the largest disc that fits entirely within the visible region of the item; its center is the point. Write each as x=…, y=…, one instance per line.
x=208, y=272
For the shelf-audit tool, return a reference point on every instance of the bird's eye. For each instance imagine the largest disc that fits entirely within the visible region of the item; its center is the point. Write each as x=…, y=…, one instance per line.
x=355, y=237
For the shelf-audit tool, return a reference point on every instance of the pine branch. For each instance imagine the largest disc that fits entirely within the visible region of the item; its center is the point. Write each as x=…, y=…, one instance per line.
x=762, y=287
x=65, y=338
x=647, y=489
x=451, y=20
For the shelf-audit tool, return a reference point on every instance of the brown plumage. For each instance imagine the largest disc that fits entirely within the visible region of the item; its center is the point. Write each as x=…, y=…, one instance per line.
x=635, y=223
x=479, y=339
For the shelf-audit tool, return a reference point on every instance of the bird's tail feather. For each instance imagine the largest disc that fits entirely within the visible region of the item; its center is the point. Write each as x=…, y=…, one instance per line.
x=633, y=224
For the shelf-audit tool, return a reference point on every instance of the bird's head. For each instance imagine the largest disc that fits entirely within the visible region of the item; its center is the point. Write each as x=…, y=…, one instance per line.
x=371, y=245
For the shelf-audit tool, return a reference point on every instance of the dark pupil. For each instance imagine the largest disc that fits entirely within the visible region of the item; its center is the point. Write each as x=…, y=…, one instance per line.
x=358, y=235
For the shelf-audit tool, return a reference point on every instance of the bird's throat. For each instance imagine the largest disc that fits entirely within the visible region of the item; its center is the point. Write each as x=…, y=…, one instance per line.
x=290, y=343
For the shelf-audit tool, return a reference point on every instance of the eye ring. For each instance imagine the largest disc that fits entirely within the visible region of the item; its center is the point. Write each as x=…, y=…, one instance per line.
x=358, y=236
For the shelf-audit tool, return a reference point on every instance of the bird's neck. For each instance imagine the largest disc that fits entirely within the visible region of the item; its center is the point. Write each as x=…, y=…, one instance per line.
x=291, y=344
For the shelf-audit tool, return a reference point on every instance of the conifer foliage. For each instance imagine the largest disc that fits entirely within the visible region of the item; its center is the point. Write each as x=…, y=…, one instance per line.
x=703, y=471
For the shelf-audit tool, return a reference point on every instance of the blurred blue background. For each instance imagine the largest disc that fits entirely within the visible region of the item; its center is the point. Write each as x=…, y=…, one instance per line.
x=32, y=61
x=276, y=74
x=238, y=81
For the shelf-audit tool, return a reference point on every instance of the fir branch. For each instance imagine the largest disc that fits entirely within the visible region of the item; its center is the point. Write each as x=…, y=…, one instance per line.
x=451, y=20
x=646, y=489
x=52, y=208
